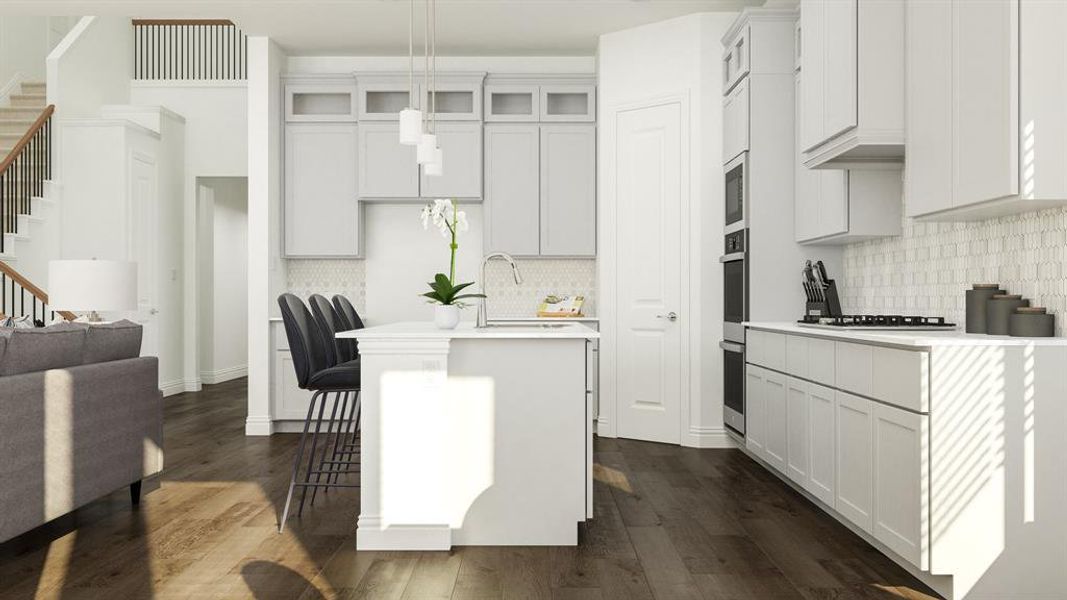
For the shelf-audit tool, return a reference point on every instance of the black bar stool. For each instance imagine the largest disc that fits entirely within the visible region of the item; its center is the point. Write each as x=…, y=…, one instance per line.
x=338, y=352
x=314, y=372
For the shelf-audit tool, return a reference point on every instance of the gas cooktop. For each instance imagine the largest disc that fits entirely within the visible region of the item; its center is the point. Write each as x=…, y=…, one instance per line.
x=870, y=322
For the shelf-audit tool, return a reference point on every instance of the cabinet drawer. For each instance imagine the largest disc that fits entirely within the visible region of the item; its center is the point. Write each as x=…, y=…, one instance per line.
x=797, y=355
x=821, y=361
x=766, y=348
x=899, y=377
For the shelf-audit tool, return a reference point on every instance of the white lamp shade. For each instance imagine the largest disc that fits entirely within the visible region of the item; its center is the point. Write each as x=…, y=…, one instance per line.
x=88, y=285
x=435, y=166
x=410, y=126
x=424, y=151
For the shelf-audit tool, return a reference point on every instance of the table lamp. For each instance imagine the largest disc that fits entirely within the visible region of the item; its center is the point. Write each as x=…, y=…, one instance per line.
x=92, y=286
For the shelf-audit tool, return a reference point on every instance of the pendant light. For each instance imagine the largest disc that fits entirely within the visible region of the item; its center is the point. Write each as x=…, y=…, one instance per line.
x=427, y=149
x=411, y=118
x=435, y=166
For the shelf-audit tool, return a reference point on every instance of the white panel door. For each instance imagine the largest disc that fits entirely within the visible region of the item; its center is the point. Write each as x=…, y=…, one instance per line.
x=822, y=443
x=755, y=410
x=144, y=249
x=321, y=199
x=797, y=429
x=986, y=130
x=777, y=446
x=568, y=190
x=901, y=472
x=648, y=181
x=387, y=168
x=512, y=189
x=842, y=51
x=461, y=176
x=855, y=457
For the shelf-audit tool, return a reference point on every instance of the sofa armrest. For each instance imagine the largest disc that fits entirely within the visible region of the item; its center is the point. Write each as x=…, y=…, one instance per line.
x=69, y=436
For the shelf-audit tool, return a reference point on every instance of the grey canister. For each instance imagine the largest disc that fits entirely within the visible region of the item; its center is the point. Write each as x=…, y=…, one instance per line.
x=977, y=297
x=1031, y=322
x=999, y=310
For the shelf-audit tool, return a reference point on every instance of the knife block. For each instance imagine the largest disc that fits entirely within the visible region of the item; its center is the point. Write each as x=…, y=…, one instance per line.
x=829, y=305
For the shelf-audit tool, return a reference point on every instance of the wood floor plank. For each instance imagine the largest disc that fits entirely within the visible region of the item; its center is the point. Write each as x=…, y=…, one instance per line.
x=670, y=523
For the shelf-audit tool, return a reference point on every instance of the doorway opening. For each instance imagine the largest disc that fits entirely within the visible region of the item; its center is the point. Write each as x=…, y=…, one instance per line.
x=222, y=278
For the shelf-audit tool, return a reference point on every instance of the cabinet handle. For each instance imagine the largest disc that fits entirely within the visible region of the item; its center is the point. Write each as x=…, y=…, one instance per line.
x=671, y=316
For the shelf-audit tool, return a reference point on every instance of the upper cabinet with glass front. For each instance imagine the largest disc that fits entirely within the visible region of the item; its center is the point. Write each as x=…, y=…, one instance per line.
x=320, y=99
x=535, y=98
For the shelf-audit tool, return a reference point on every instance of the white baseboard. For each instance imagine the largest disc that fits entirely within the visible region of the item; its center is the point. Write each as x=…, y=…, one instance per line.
x=708, y=437
x=289, y=426
x=179, y=386
x=222, y=375
x=371, y=535
x=259, y=425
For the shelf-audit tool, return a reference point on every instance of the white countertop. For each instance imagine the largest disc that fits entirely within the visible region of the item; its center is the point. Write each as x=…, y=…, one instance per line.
x=426, y=329
x=955, y=337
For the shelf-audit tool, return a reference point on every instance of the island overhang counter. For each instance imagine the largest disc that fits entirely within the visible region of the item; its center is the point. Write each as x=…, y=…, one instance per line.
x=473, y=436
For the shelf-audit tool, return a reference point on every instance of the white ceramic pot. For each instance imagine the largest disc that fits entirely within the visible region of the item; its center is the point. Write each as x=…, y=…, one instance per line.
x=446, y=316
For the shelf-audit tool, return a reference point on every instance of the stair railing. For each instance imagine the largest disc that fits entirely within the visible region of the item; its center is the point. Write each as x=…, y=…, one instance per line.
x=189, y=49
x=19, y=297
x=23, y=173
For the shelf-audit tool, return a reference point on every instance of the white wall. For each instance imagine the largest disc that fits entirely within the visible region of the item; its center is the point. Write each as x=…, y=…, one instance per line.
x=223, y=274
x=266, y=269
x=679, y=57
x=25, y=42
x=216, y=117
x=91, y=67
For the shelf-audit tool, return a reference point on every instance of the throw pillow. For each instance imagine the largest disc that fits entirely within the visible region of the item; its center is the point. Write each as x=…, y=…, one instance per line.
x=40, y=349
x=112, y=341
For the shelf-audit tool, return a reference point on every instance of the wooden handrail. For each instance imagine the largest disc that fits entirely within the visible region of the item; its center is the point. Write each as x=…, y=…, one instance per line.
x=25, y=140
x=37, y=292
x=183, y=22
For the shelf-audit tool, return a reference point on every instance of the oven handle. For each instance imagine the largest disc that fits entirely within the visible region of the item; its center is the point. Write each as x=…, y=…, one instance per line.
x=733, y=256
x=731, y=346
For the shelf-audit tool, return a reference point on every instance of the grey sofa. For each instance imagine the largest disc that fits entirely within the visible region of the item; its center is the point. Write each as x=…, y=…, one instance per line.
x=81, y=416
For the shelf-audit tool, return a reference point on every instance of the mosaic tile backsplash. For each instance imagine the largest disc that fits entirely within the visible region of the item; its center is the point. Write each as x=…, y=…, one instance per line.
x=927, y=270
x=540, y=278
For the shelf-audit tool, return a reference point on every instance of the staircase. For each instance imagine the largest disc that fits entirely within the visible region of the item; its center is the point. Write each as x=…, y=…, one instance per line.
x=22, y=110
x=27, y=205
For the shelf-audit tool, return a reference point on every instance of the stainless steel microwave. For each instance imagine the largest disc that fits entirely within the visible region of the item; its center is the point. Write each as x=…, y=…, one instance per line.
x=736, y=197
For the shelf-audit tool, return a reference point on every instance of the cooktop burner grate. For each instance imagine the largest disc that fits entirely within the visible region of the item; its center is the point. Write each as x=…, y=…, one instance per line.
x=879, y=321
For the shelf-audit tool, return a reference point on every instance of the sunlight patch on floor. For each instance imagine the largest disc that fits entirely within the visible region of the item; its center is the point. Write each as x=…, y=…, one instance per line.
x=613, y=477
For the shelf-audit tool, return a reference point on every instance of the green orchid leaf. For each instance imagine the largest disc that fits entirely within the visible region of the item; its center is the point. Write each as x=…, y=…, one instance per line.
x=462, y=296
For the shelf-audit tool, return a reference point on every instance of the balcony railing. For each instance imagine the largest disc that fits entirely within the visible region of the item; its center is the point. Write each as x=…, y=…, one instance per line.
x=189, y=50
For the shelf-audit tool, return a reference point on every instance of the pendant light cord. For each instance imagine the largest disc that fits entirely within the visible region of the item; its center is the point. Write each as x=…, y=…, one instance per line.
x=433, y=85
x=426, y=51
x=411, y=54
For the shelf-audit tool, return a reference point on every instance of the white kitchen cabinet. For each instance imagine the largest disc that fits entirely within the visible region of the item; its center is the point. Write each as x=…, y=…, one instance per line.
x=901, y=480
x=383, y=95
x=512, y=188
x=798, y=430
x=321, y=100
x=736, y=59
x=512, y=102
x=735, y=115
x=322, y=216
x=854, y=448
x=458, y=97
x=755, y=410
x=540, y=186
x=461, y=174
x=775, y=406
x=986, y=85
x=822, y=438
x=568, y=102
x=387, y=168
x=842, y=206
x=853, y=56
x=568, y=190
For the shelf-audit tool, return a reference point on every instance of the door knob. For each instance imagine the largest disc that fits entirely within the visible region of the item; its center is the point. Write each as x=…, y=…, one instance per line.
x=671, y=316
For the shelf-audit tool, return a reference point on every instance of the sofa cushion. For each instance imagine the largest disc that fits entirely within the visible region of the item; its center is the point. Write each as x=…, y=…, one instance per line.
x=40, y=349
x=112, y=341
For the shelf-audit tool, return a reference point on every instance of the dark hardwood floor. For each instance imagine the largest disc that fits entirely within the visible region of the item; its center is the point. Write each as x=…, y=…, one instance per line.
x=672, y=523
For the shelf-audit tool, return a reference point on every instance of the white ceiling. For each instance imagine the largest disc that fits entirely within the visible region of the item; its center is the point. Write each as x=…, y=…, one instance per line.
x=380, y=27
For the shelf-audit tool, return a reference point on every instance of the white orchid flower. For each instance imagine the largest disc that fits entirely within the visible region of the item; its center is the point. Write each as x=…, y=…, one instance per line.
x=424, y=215
x=461, y=221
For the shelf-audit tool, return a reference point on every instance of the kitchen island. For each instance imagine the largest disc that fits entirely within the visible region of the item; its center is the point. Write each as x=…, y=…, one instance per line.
x=474, y=436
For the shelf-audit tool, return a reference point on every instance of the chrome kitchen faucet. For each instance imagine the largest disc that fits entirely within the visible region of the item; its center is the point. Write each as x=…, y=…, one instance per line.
x=483, y=311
